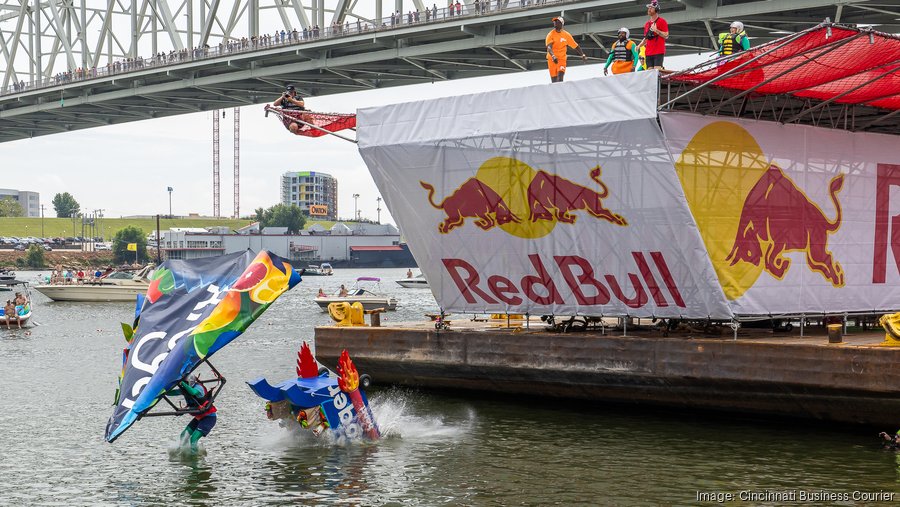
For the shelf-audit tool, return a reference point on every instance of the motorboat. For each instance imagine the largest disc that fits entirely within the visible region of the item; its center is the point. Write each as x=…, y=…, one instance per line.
x=415, y=282
x=324, y=269
x=24, y=311
x=7, y=274
x=114, y=286
x=360, y=292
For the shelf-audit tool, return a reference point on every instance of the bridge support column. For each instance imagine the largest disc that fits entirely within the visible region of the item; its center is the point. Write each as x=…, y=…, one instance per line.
x=253, y=16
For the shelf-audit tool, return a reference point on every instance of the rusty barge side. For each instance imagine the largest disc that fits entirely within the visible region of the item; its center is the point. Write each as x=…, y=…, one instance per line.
x=844, y=383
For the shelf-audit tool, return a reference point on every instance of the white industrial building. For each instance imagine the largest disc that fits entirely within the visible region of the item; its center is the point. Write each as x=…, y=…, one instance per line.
x=316, y=244
x=30, y=201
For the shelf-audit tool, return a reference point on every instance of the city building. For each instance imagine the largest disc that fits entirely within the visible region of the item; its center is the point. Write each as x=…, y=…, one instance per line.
x=357, y=245
x=315, y=193
x=30, y=201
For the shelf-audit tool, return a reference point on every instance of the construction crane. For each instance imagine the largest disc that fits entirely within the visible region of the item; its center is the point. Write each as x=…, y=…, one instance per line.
x=237, y=163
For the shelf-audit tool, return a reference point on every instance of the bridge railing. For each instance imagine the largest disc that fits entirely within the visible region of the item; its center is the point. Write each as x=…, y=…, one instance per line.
x=282, y=38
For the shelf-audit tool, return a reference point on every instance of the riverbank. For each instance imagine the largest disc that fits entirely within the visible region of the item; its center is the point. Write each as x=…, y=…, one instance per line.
x=760, y=373
x=66, y=258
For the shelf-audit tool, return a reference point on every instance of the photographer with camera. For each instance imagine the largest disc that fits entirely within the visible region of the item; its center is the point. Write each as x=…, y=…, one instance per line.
x=290, y=101
x=656, y=31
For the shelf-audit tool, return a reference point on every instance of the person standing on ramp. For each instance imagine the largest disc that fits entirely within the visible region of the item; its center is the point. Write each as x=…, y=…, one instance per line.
x=558, y=41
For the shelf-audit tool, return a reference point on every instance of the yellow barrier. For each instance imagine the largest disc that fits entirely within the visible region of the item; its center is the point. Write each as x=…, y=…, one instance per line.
x=346, y=314
x=891, y=324
x=503, y=316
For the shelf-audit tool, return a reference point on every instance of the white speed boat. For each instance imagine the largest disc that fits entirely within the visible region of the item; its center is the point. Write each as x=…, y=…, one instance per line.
x=23, y=312
x=116, y=286
x=416, y=282
x=360, y=293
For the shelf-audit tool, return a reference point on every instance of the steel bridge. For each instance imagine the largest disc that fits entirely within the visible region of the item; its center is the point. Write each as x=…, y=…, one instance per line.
x=74, y=64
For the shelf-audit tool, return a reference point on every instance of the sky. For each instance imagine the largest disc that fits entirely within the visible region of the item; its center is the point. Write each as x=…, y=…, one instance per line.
x=126, y=169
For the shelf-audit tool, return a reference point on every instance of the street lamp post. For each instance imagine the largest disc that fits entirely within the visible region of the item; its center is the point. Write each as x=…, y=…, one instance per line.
x=378, y=209
x=42, y=221
x=355, y=213
x=170, y=201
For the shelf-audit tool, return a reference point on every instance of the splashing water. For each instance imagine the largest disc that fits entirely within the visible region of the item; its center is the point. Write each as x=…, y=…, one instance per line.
x=396, y=414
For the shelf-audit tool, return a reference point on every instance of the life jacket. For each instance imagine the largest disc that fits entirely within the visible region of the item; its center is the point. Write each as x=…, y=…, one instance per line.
x=622, y=52
x=731, y=43
x=623, y=59
x=203, y=403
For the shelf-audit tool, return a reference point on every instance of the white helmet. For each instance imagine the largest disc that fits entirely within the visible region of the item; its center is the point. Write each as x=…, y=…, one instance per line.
x=738, y=25
x=627, y=33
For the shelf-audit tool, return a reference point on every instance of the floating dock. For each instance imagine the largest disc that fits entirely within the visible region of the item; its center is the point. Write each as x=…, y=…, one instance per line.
x=857, y=381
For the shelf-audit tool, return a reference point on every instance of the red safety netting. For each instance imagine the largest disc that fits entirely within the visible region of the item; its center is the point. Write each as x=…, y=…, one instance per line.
x=830, y=62
x=326, y=122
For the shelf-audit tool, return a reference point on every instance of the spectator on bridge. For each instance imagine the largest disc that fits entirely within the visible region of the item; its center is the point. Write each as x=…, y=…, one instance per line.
x=656, y=31
x=558, y=41
x=734, y=41
x=624, y=54
x=450, y=7
x=290, y=100
x=458, y=8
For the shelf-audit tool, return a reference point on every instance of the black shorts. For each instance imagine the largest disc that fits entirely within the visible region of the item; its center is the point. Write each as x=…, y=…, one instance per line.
x=654, y=60
x=205, y=425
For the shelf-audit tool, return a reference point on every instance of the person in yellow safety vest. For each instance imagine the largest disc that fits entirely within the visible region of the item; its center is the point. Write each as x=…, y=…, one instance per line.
x=735, y=41
x=642, y=60
x=623, y=56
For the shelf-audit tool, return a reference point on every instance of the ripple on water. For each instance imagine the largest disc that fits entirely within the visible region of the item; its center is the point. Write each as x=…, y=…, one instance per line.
x=58, y=385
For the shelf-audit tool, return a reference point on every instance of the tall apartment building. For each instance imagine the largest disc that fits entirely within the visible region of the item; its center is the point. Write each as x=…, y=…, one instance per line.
x=315, y=193
x=30, y=201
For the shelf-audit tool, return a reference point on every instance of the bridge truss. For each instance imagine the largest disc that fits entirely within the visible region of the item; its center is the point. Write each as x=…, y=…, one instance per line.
x=73, y=64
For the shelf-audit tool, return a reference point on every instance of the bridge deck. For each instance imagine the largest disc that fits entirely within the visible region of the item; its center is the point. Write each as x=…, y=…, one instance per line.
x=500, y=41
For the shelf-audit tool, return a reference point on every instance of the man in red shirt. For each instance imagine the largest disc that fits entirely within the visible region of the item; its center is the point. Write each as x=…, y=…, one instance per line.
x=656, y=31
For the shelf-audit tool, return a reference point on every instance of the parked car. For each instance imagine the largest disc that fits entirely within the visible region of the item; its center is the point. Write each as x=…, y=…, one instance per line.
x=20, y=247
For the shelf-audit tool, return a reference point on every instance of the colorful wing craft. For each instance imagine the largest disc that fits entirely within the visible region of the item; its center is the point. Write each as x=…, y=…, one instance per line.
x=192, y=309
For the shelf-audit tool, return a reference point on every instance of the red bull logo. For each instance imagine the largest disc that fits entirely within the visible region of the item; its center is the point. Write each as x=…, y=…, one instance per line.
x=751, y=214
x=778, y=217
x=509, y=194
x=473, y=199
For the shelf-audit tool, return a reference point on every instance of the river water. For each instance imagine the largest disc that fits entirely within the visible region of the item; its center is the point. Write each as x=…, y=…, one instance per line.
x=58, y=380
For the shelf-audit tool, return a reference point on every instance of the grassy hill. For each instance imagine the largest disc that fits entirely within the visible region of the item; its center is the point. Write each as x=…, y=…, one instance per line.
x=62, y=227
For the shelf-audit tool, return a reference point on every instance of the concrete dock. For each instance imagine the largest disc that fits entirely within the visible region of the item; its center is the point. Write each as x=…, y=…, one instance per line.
x=857, y=381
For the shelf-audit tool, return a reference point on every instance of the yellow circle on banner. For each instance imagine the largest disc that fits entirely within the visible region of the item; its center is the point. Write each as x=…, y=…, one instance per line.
x=717, y=169
x=510, y=178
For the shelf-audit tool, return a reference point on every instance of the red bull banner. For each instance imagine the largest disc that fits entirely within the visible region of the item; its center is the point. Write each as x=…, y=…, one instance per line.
x=557, y=199
x=794, y=219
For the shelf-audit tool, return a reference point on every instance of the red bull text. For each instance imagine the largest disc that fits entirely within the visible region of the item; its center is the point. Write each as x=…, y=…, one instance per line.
x=588, y=288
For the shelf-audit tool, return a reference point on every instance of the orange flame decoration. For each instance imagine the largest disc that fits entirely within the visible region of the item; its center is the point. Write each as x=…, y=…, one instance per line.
x=348, y=378
x=306, y=363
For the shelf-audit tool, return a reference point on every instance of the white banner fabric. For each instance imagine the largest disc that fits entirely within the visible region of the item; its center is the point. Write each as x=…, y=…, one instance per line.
x=553, y=199
x=796, y=219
